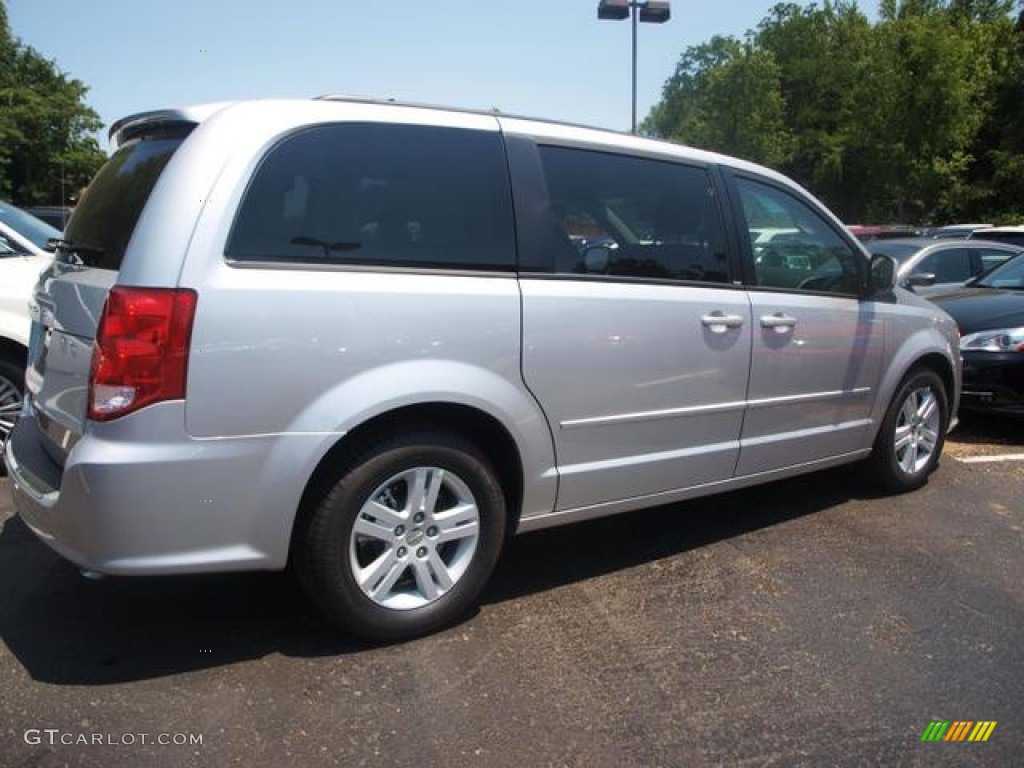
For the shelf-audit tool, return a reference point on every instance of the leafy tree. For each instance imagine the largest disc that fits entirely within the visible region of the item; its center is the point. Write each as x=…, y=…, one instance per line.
x=999, y=170
x=725, y=95
x=919, y=117
x=933, y=75
x=45, y=126
x=826, y=58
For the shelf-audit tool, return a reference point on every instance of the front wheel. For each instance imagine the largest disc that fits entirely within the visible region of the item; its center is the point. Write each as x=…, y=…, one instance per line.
x=910, y=441
x=406, y=539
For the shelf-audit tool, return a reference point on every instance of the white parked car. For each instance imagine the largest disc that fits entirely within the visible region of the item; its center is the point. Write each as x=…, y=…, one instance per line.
x=21, y=231
x=22, y=257
x=1012, y=235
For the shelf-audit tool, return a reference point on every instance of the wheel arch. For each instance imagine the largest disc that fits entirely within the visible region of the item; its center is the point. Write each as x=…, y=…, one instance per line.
x=926, y=348
x=942, y=366
x=482, y=429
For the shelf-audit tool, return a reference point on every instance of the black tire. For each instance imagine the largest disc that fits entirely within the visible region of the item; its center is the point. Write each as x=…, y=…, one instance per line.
x=330, y=551
x=920, y=395
x=12, y=392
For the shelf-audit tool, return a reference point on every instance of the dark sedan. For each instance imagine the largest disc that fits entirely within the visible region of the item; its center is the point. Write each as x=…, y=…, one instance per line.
x=990, y=314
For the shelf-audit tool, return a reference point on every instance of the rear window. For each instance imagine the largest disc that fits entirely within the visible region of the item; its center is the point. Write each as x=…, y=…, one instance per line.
x=104, y=220
x=377, y=194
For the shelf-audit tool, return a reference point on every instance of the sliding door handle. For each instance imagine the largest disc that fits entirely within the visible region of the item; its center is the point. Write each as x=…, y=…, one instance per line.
x=720, y=322
x=780, y=321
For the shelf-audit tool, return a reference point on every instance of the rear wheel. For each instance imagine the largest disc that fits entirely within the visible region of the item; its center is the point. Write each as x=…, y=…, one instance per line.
x=910, y=441
x=406, y=539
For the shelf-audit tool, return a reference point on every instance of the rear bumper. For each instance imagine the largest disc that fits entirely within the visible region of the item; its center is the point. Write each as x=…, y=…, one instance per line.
x=128, y=503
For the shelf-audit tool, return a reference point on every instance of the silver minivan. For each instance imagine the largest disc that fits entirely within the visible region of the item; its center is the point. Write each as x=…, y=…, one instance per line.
x=372, y=340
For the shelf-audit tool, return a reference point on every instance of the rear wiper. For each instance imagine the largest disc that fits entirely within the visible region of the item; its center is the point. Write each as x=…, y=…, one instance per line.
x=67, y=245
x=326, y=246
x=55, y=243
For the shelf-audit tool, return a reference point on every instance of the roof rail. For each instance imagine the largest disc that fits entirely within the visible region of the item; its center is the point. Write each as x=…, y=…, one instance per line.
x=494, y=111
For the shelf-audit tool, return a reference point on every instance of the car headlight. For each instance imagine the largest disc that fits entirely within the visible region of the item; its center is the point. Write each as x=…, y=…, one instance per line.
x=998, y=340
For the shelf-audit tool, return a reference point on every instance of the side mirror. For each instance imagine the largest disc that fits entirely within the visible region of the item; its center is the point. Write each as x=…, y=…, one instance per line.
x=921, y=280
x=883, y=273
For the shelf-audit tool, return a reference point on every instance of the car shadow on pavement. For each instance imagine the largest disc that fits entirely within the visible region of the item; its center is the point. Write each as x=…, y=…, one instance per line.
x=989, y=428
x=67, y=630
x=546, y=559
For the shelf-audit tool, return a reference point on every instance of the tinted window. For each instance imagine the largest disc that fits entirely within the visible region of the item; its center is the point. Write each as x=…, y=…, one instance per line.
x=949, y=266
x=106, y=216
x=805, y=252
x=379, y=194
x=628, y=216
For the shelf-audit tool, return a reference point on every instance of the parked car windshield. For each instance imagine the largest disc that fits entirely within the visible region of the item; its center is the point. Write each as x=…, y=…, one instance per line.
x=1008, y=275
x=27, y=225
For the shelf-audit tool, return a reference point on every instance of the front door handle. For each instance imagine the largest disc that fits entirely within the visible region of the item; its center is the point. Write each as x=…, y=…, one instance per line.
x=719, y=322
x=780, y=322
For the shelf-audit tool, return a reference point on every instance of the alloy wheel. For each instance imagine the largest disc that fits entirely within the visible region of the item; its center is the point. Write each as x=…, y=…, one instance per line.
x=917, y=430
x=414, y=538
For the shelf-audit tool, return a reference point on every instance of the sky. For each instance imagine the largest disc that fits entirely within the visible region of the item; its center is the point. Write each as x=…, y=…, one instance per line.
x=550, y=59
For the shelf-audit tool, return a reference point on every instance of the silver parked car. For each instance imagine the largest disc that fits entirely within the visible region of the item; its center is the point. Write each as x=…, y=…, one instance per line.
x=372, y=340
x=929, y=266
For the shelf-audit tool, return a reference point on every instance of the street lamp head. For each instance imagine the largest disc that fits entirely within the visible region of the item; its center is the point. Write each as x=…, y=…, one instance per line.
x=655, y=12
x=616, y=10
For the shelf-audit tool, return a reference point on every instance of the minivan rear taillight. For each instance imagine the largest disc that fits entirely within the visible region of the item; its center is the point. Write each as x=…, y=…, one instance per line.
x=141, y=351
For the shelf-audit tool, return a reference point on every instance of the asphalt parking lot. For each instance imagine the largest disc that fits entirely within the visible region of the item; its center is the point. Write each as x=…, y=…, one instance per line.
x=804, y=623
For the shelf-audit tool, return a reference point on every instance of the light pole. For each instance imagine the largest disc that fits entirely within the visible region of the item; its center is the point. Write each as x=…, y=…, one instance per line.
x=642, y=10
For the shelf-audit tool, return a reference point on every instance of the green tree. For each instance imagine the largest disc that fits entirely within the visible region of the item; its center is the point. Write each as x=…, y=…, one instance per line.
x=825, y=55
x=999, y=169
x=725, y=95
x=937, y=66
x=918, y=118
x=45, y=126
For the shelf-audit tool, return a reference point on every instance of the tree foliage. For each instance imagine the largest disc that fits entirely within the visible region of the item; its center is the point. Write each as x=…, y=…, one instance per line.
x=45, y=126
x=918, y=117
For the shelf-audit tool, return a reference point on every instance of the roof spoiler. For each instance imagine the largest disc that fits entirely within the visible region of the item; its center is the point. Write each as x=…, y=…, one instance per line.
x=182, y=119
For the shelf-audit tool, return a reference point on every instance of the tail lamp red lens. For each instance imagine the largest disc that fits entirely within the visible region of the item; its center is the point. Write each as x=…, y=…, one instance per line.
x=141, y=352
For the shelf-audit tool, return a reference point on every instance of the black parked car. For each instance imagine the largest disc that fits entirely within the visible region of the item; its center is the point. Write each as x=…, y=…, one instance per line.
x=990, y=313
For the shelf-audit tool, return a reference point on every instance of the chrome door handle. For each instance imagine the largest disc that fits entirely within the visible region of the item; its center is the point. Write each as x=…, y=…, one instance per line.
x=780, y=321
x=720, y=322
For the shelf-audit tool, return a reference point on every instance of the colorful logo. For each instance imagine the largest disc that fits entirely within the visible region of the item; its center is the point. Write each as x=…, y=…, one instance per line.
x=958, y=730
